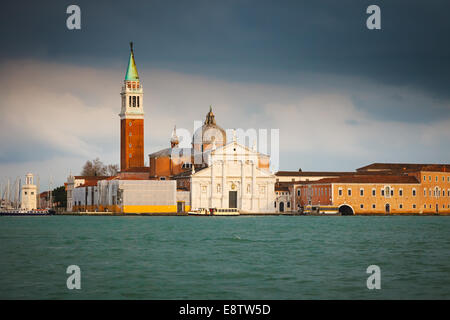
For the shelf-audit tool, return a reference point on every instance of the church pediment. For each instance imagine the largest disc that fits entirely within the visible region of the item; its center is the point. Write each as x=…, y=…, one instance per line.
x=234, y=148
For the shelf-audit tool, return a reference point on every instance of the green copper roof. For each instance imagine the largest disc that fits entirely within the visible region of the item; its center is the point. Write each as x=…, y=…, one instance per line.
x=132, y=73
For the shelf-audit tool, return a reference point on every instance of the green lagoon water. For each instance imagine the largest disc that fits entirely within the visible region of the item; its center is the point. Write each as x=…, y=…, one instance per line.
x=277, y=257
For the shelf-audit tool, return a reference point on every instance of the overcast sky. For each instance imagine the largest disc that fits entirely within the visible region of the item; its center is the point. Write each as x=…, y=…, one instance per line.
x=341, y=95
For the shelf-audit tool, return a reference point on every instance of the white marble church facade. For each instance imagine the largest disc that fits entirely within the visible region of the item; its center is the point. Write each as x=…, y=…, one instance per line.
x=233, y=179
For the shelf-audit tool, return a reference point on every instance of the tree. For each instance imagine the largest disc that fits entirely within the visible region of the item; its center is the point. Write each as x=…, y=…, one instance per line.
x=59, y=197
x=97, y=168
x=112, y=169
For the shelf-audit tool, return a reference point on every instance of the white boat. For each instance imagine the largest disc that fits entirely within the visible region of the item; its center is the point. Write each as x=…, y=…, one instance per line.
x=199, y=212
x=226, y=212
x=214, y=212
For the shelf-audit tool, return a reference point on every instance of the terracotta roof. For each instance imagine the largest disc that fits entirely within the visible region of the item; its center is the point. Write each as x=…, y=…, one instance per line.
x=89, y=183
x=406, y=167
x=368, y=179
x=324, y=173
x=282, y=186
x=91, y=177
x=187, y=173
x=168, y=152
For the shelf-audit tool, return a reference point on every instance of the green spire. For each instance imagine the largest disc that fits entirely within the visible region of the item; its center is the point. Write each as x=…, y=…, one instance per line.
x=132, y=73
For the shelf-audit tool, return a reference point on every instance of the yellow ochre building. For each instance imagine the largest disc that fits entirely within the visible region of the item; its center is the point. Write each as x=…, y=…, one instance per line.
x=379, y=188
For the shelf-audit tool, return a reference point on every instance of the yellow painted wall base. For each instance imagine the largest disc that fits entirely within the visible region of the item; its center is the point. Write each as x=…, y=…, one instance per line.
x=149, y=209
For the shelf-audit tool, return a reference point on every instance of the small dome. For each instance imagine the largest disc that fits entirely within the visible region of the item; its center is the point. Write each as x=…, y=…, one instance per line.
x=210, y=133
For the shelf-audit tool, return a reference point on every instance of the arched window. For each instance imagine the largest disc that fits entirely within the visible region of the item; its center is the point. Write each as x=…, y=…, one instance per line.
x=134, y=101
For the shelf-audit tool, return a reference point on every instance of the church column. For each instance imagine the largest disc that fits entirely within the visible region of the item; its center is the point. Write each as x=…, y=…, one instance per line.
x=253, y=185
x=211, y=201
x=223, y=184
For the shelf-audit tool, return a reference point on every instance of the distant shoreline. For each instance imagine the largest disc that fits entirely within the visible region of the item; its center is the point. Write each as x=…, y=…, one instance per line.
x=175, y=214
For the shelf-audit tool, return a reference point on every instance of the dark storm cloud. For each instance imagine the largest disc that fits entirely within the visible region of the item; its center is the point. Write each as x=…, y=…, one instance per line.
x=265, y=41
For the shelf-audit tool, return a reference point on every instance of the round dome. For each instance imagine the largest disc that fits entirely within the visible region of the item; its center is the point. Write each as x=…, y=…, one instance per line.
x=209, y=134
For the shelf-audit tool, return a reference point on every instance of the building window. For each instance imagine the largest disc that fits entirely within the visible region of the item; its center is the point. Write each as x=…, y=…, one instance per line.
x=130, y=155
x=414, y=192
x=429, y=178
x=129, y=123
x=424, y=192
x=129, y=101
x=400, y=192
x=32, y=193
x=361, y=192
x=382, y=192
x=288, y=204
x=186, y=166
x=361, y=206
x=134, y=101
x=275, y=204
x=436, y=179
x=129, y=134
x=138, y=102
x=448, y=193
x=424, y=206
x=162, y=178
x=129, y=145
x=26, y=193
x=349, y=192
x=299, y=193
x=414, y=206
x=340, y=192
x=400, y=206
x=392, y=192
x=374, y=192
x=424, y=178
x=373, y=206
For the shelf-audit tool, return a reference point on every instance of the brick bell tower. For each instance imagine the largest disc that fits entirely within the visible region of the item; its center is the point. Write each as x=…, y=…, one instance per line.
x=131, y=118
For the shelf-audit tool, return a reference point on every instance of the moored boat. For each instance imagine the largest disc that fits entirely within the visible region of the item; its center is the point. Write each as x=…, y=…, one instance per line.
x=321, y=210
x=214, y=212
x=20, y=212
